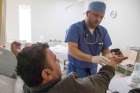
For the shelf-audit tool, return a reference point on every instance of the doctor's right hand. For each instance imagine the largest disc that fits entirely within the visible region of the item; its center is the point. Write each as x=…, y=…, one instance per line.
x=100, y=60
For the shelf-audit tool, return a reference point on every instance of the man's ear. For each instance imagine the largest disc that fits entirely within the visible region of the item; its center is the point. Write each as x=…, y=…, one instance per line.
x=46, y=74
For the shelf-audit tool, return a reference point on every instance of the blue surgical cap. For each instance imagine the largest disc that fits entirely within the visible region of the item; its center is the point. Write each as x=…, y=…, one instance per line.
x=97, y=6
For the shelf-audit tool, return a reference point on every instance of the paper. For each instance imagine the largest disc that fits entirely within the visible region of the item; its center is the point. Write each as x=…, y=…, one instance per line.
x=131, y=57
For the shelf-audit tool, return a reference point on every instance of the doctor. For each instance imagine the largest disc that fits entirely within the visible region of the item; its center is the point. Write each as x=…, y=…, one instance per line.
x=86, y=40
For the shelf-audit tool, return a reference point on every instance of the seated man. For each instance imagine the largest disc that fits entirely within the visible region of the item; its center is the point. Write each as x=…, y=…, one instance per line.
x=39, y=69
x=2, y=46
x=15, y=47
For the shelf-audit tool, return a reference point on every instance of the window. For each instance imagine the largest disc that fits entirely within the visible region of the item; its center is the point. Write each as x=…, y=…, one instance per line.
x=25, y=23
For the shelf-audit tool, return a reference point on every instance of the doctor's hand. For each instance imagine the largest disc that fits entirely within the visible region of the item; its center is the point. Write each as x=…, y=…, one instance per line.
x=100, y=60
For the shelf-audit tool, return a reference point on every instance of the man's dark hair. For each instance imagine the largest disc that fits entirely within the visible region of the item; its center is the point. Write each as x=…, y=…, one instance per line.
x=136, y=90
x=117, y=51
x=16, y=43
x=31, y=62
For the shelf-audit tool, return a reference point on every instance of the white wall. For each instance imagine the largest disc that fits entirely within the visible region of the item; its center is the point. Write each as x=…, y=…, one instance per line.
x=125, y=29
x=50, y=19
x=12, y=18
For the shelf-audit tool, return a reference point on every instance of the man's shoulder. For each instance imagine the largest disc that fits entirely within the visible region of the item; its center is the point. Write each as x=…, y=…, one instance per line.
x=78, y=24
x=102, y=28
x=66, y=85
x=68, y=80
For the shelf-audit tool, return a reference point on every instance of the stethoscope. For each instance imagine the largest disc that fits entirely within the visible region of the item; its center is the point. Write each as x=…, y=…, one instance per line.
x=89, y=38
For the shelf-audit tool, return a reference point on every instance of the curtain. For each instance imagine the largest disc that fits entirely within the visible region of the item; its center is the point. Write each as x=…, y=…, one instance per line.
x=2, y=21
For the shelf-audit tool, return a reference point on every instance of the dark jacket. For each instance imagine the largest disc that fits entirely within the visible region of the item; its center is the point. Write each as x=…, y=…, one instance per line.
x=93, y=84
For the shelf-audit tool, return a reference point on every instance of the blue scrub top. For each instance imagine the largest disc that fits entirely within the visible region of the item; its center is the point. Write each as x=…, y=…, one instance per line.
x=77, y=33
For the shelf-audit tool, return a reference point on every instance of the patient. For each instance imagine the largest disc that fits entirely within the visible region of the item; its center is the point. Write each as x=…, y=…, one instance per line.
x=2, y=46
x=15, y=47
x=39, y=68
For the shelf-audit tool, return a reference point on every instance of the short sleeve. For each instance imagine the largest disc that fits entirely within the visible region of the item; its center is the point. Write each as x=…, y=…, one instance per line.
x=72, y=34
x=107, y=40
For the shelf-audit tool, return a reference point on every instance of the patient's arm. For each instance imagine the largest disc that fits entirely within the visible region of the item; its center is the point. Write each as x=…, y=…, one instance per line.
x=98, y=83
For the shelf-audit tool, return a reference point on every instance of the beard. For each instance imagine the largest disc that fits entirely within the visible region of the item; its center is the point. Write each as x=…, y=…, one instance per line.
x=93, y=25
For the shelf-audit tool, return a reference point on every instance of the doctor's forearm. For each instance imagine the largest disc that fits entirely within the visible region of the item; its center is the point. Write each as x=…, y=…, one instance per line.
x=76, y=53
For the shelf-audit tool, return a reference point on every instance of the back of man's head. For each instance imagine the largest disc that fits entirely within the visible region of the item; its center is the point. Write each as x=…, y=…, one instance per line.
x=31, y=62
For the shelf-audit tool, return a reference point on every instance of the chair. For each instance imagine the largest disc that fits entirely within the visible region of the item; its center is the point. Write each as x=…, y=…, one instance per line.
x=8, y=63
x=7, y=84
